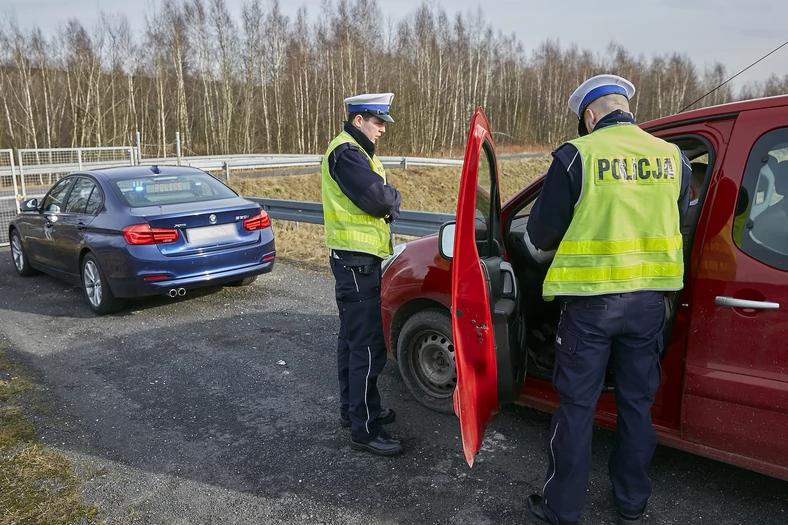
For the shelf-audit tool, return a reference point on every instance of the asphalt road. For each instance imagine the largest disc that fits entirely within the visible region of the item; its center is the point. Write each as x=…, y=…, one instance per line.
x=221, y=407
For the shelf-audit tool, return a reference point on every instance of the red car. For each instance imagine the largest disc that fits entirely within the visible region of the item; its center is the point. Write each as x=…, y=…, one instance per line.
x=724, y=391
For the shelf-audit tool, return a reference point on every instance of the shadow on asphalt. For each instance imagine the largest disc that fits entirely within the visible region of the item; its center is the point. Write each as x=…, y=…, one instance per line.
x=46, y=295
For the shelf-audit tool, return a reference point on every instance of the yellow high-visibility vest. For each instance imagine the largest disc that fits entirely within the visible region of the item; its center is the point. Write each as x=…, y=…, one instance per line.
x=347, y=227
x=625, y=231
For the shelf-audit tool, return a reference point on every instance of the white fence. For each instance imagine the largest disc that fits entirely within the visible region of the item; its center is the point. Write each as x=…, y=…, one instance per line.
x=9, y=206
x=38, y=169
x=65, y=160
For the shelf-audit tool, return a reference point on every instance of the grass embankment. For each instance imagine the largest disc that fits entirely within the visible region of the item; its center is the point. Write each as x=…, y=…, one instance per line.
x=432, y=189
x=37, y=485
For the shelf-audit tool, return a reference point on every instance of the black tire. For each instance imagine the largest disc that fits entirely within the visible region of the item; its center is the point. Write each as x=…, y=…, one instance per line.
x=19, y=257
x=425, y=354
x=96, y=289
x=243, y=282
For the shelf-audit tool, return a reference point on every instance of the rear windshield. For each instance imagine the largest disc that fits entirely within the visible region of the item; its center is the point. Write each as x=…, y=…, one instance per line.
x=157, y=190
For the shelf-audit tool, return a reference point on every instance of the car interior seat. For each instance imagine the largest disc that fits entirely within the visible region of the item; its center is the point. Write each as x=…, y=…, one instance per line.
x=770, y=228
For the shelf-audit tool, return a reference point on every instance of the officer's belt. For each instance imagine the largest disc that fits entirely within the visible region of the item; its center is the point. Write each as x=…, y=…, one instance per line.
x=355, y=259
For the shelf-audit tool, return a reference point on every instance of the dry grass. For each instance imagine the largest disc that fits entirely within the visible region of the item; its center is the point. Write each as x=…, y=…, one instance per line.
x=432, y=189
x=37, y=485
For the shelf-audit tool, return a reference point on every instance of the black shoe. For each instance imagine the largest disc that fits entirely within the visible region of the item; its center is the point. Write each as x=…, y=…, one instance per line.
x=631, y=519
x=536, y=508
x=385, y=417
x=626, y=520
x=383, y=445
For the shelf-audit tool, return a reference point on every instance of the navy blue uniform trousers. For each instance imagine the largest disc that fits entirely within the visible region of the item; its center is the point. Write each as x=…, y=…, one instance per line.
x=626, y=331
x=361, y=349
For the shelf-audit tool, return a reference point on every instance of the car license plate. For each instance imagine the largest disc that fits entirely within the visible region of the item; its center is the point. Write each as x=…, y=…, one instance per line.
x=212, y=234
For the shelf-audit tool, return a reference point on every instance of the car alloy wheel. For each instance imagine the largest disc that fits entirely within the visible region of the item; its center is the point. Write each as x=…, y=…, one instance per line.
x=92, y=282
x=16, y=253
x=97, y=291
x=21, y=264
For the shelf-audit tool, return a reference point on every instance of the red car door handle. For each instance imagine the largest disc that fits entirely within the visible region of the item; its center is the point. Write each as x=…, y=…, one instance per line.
x=732, y=302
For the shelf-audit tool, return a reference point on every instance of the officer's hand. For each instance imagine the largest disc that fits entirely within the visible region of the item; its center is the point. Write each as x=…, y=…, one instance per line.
x=393, y=214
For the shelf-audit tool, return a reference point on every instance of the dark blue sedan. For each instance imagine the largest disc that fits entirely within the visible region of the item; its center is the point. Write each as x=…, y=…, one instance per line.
x=142, y=230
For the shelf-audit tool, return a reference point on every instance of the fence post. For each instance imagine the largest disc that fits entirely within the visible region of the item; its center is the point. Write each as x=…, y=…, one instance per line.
x=226, y=168
x=178, y=147
x=405, y=162
x=139, y=149
x=21, y=175
x=79, y=159
x=17, y=196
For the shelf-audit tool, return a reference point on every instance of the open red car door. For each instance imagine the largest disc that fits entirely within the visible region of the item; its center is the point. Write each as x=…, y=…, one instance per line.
x=488, y=333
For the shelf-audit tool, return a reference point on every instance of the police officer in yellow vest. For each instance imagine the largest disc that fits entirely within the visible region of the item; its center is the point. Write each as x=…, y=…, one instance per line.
x=611, y=207
x=358, y=206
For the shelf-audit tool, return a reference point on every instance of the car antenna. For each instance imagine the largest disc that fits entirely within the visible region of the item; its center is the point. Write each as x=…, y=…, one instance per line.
x=155, y=169
x=736, y=75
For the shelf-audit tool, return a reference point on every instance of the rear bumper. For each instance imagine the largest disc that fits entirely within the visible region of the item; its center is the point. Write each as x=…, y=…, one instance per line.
x=126, y=269
x=140, y=288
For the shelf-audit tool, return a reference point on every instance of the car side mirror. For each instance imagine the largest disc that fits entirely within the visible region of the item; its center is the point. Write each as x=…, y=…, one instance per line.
x=446, y=240
x=29, y=205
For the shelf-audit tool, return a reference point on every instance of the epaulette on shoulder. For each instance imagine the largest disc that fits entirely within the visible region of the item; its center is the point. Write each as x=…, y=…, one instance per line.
x=565, y=153
x=564, y=148
x=347, y=145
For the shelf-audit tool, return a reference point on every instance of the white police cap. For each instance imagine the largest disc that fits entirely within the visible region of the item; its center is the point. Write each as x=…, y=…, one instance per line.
x=377, y=104
x=596, y=87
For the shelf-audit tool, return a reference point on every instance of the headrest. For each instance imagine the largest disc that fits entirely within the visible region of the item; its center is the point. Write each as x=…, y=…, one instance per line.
x=781, y=177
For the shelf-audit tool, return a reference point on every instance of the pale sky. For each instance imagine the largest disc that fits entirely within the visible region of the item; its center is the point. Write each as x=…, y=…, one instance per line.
x=734, y=32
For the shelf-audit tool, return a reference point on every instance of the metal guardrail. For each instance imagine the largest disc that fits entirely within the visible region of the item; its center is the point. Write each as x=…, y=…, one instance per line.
x=212, y=163
x=416, y=223
x=253, y=162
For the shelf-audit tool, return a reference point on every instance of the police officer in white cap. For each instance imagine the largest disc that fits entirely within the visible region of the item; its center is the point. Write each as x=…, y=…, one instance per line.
x=611, y=206
x=358, y=206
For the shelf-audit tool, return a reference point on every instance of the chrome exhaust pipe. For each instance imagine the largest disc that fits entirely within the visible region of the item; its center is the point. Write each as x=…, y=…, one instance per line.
x=181, y=292
x=173, y=292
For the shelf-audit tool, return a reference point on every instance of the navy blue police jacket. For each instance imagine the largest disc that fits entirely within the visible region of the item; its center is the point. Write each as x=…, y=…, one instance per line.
x=552, y=212
x=350, y=168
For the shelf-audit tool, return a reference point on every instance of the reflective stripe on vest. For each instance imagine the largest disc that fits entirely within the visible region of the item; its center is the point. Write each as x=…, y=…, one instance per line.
x=624, y=235
x=347, y=227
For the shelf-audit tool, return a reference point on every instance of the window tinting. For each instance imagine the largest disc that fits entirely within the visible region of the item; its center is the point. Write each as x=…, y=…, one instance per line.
x=53, y=202
x=80, y=195
x=95, y=202
x=153, y=190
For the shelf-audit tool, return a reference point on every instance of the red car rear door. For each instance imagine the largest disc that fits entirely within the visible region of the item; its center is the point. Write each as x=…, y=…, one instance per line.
x=488, y=333
x=736, y=387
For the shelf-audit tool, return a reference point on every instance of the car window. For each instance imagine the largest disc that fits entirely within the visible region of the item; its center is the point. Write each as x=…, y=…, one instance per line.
x=487, y=205
x=53, y=202
x=760, y=228
x=158, y=190
x=80, y=195
x=483, y=198
x=95, y=202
